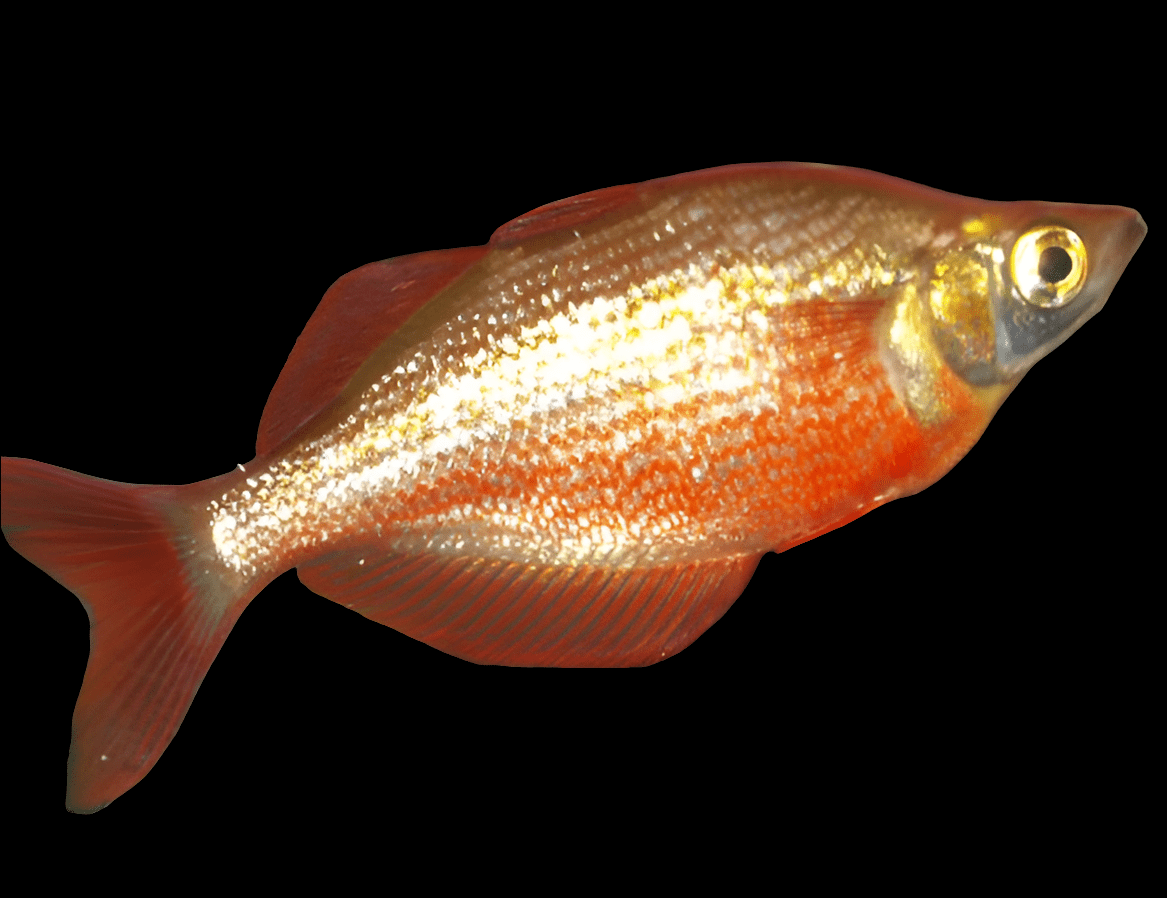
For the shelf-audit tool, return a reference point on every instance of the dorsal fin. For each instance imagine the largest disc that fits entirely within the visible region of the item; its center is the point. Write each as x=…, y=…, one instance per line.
x=569, y=213
x=357, y=314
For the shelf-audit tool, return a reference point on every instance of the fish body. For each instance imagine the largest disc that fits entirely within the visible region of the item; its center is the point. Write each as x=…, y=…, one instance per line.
x=572, y=447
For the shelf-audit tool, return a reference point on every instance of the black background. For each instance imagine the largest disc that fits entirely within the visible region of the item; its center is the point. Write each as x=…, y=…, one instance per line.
x=170, y=253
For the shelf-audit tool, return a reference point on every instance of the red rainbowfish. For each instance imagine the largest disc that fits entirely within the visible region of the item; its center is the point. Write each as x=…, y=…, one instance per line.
x=573, y=445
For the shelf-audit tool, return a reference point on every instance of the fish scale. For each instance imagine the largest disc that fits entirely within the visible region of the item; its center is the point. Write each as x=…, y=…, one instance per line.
x=491, y=318
x=572, y=447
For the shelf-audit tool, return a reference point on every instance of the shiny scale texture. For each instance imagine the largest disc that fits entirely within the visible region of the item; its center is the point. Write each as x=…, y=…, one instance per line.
x=692, y=381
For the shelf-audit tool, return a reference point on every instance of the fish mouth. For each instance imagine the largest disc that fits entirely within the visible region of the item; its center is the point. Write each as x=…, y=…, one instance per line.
x=1134, y=232
x=1112, y=235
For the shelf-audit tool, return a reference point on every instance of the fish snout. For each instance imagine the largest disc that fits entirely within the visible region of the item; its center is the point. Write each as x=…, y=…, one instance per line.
x=1059, y=273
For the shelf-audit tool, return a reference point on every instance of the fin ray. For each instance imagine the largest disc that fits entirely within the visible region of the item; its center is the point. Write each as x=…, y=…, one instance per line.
x=500, y=612
x=572, y=212
x=155, y=626
x=355, y=316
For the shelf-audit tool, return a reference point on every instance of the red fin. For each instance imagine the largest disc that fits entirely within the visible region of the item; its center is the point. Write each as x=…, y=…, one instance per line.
x=839, y=329
x=155, y=626
x=576, y=211
x=495, y=612
x=357, y=314
x=822, y=173
x=569, y=213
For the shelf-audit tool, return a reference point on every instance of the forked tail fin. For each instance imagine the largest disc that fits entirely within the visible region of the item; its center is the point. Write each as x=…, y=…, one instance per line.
x=158, y=613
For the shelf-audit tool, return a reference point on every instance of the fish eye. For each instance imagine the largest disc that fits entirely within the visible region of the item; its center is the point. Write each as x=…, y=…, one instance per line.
x=1048, y=264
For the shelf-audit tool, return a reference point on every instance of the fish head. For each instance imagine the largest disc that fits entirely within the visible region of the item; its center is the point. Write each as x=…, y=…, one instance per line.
x=1017, y=281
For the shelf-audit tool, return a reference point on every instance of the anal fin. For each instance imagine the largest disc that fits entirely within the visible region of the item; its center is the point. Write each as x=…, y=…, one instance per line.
x=528, y=615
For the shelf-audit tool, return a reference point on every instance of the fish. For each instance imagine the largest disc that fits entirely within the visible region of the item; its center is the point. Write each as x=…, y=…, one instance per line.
x=572, y=446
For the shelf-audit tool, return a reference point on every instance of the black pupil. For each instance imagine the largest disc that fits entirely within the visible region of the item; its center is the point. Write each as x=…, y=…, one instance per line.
x=1055, y=265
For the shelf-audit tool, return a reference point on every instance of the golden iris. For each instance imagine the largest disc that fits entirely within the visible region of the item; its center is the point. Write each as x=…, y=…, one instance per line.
x=1048, y=264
